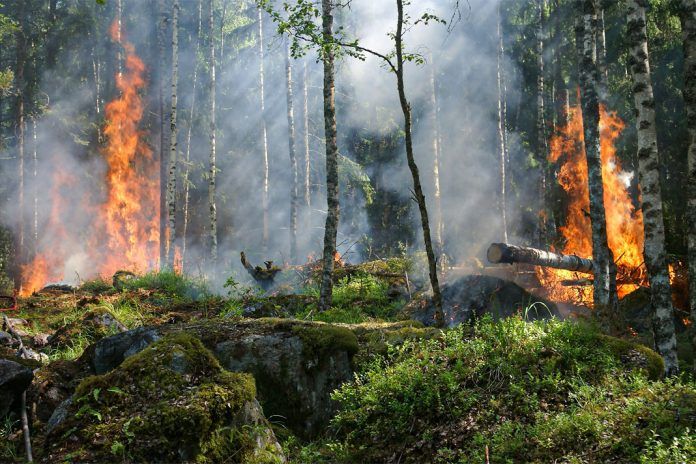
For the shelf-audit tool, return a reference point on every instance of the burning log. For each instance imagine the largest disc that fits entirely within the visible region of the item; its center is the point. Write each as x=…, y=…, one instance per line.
x=509, y=254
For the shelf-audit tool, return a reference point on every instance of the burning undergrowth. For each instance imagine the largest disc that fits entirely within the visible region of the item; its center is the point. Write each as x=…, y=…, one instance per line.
x=122, y=205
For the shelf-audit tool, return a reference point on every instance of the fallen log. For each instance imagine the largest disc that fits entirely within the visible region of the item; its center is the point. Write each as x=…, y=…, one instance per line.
x=509, y=254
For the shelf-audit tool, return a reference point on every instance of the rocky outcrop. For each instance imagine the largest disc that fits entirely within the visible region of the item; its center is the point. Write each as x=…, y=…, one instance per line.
x=172, y=402
x=296, y=364
x=14, y=380
x=473, y=296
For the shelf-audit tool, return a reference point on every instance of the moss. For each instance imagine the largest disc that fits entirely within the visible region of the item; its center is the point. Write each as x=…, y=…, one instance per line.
x=626, y=351
x=170, y=402
x=321, y=339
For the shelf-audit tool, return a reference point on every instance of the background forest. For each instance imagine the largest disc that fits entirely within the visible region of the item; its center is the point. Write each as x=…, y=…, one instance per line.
x=58, y=63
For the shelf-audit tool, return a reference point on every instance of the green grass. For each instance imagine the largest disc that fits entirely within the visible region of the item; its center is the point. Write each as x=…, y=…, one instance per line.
x=170, y=284
x=530, y=392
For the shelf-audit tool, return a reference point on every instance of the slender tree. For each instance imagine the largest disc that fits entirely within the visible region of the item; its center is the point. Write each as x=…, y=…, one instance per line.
x=601, y=46
x=649, y=180
x=605, y=296
x=264, y=134
x=502, y=199
x=173, y=142
x=560, y=91
x=187, y=167
x=437, y=155
x=20, y=124
x=294, y=187
x=212, y=172
x=541, y=143
x=413, y=167
x=307, y=159
x=330, y=133
x=161, y=38
x=688, y=21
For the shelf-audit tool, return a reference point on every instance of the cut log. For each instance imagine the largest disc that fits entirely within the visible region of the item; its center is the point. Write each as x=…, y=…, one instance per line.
x=509, y=254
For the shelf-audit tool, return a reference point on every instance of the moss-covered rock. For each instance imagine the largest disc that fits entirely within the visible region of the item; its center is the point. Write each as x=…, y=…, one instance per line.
x=172, y=402
x=96, y=324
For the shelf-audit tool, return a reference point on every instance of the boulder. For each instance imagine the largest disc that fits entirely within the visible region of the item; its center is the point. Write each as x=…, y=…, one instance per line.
x=172, y=402
x=473, y=296
x=296, y=364
x=15, y=378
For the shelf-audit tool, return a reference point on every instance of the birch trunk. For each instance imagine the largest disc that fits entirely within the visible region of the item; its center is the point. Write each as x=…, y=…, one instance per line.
x=651, y=194
x=173, y=142
x=161, y=32
x=20, y=128
x=264, y=135
x=119, y=20
x=34, y=187
x=605, y=297
x=293, y=155
x=307, y=159
x=212, y=173
x=601, y=44
x=688, y=19
x=333, y=209
x=541, y=124
x=187, y=169
x=560, y=92
x=437, y=155
x=413, y=167
x=502, y=200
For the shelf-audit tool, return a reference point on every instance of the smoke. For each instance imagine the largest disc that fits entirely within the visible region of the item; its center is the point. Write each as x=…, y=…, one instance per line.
x=464, y=59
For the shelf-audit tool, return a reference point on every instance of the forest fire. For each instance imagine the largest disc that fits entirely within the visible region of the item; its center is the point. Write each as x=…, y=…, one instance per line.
x=124, y=232
x=624, y=220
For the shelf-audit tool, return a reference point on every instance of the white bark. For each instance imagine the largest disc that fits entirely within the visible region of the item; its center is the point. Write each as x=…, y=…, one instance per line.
x=264, y=135
x=212, y=172
x=173, y=142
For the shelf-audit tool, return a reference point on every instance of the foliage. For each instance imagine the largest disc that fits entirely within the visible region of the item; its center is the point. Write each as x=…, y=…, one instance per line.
x=539, y=392
x=170, y=283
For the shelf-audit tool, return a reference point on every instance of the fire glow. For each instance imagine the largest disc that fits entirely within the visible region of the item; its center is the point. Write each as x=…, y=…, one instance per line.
x=124, y=231
x=624, y=220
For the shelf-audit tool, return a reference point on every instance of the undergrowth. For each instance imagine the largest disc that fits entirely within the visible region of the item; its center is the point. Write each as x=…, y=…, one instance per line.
x=528, y=392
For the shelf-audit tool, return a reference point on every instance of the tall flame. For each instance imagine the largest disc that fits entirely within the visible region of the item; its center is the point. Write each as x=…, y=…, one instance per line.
x=624, y=220
x=125, y=227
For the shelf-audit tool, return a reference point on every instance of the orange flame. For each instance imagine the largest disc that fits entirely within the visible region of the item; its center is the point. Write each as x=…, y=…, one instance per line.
x=125, y=230
x=624, y=220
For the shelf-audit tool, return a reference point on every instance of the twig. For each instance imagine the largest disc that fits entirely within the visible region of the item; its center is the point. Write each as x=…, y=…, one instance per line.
x=25, y=428
x=408, y=285
x=22, y=351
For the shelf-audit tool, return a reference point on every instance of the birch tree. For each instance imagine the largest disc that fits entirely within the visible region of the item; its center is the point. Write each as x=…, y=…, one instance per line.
x=688, y=20
x=187, y=167
x=293, y=155
x=649, y=180
x=502, y=162
x=541, y=145
x=173, y=147
x=212, y=167
x=605, y=297
x=437, y=155
x=161, y=38
x=264, y=132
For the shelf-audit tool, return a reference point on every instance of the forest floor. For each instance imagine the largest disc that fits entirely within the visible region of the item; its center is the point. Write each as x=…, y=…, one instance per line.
x=365, y=383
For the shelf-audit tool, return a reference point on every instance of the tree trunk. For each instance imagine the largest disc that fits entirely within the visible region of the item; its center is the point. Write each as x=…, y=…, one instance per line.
x=688, y=20
x=541, y=144
x=307, y=159
x=413, y=167
x=187, y=168
x=212, y=173
x=601, y=44
x=333, y=210
x=170, y=237
x=161, y=32
x=294, y=193
x=437, y=155
x=651, y=194
x=119, y=30
x=34, y=187
x=264, y=136
x=20, y=130
x=509, y=254
x=605, y=296
x=502, y=168
x=560, y=97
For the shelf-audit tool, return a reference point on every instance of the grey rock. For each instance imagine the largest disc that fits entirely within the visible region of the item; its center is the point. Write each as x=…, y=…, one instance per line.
x=59, y=415
x=473, y=296
x=6, y=339
x=14, y=379
x=111, y=351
